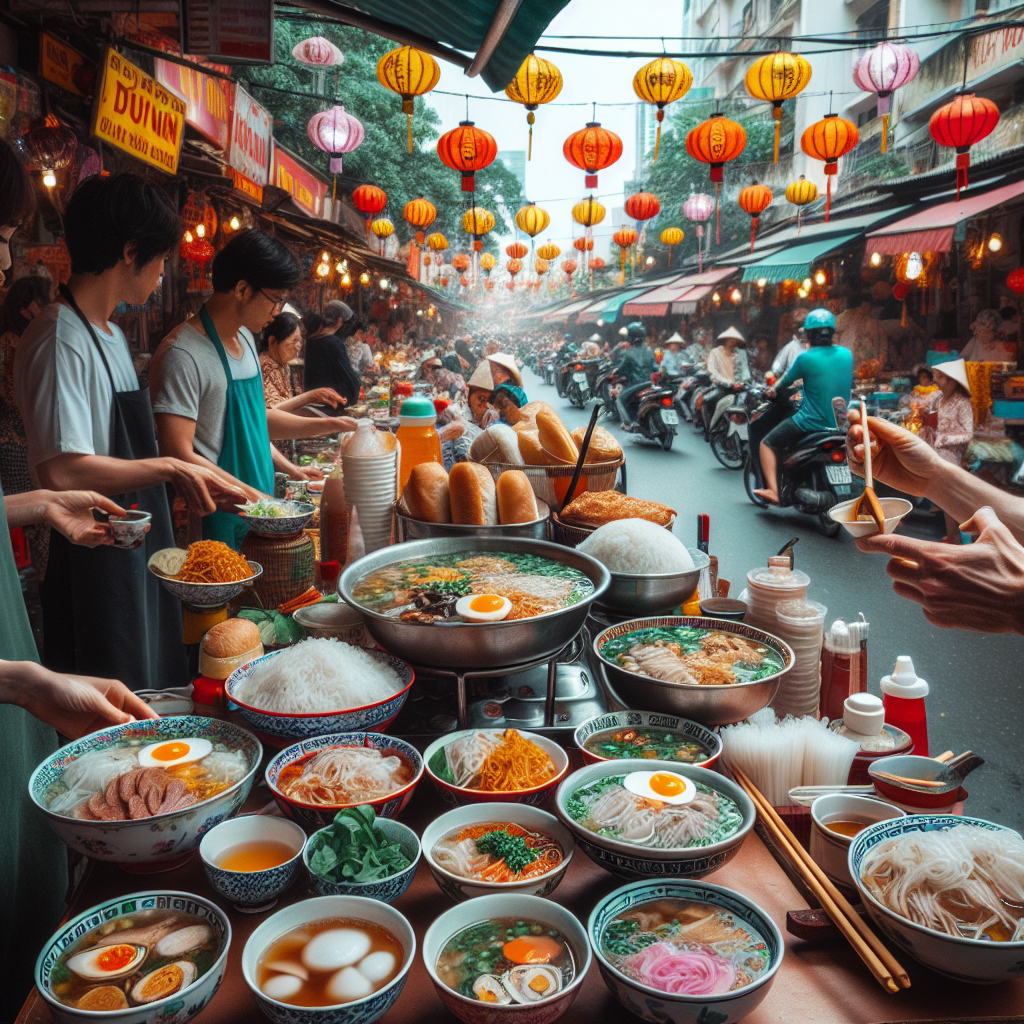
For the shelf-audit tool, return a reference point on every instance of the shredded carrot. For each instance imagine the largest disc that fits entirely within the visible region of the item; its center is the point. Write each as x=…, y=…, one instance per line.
x=517, y=763
x=211, y=561
x=307, y=597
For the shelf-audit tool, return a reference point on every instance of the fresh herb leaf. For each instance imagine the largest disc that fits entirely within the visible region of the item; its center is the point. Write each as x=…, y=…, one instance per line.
x=353, y=849
x=512, y=849
x=439, y=766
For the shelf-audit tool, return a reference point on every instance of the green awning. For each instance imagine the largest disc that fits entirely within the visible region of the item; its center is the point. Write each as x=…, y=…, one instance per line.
x=610, y=309
x=793, y=263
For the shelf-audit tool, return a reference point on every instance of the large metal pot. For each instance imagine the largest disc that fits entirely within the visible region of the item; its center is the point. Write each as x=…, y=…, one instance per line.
x=478, y=645
x=652, y=594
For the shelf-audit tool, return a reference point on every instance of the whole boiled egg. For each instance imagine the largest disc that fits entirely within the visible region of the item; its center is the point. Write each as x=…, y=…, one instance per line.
x=169, y=753
x=483, y=607
x=667, y=787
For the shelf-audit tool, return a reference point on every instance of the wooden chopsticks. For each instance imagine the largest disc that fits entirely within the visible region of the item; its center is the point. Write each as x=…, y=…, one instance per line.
x=883, y=965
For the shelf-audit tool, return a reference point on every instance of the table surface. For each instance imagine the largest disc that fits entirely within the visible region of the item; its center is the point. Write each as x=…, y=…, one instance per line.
x=818, y=982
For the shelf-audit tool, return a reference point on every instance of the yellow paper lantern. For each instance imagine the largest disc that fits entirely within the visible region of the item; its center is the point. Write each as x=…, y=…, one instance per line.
x=661, y=82
x=776, y=78
x=477, y=221
x=437, y=241
x=671, y=236
x=382, y=227
x=410, y=73
x=541, y=266
x=537, y=81
x=549, y=251
x=588, y=212
x=487, y=262
x=532, y=220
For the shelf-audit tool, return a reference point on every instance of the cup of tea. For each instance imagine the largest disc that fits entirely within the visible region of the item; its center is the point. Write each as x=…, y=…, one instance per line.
x=836, y=818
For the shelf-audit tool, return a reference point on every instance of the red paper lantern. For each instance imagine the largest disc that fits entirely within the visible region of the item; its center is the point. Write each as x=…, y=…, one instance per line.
x=961, y=123
x=510, y=285
x=592, y=149
x=467, y=149
x=514, y=266
x=517, y=250
x=369, y=199
x=583, y=244
x=900, y=291
x=569, y=266
x=624, y=237
x=755, y=199
x=829, y=139
x=460, y=261
x=597, y=263
x=642, y=206
x=1015, y=281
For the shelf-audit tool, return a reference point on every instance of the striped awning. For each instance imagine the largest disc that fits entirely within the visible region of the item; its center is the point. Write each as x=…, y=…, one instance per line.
x=659, y=301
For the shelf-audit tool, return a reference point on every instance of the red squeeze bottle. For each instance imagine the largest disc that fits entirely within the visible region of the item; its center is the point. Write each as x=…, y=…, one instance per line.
x=903, y=695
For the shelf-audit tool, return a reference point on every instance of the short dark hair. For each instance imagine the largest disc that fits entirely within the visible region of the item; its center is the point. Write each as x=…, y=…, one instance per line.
x=24, y=291
x=282, y=326
x=17, y=200
x=313, y=323
x=257, y=259
x=105, y=216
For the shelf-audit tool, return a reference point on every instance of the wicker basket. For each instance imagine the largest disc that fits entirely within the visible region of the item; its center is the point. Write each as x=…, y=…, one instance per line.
x=571, y=535
x=289, y=566
x=551, y=483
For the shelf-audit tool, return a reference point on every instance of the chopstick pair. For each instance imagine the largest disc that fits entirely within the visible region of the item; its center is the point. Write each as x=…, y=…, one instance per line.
x=885, y=968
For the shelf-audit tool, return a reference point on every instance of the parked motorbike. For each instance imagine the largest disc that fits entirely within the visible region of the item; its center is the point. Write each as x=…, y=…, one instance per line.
x=656, y=420
x=730, y=426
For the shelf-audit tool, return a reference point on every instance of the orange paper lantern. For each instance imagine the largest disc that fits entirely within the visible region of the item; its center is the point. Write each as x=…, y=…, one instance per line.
x=592, y=149
x=460, y=261
x=467, y=149
x=420, y=214
x=583, y=244
x=961, y=123
x=597, y=263
x=755, y=199
x=517, y=250
x=715, y=142
x=828, y=140
x=642, y=206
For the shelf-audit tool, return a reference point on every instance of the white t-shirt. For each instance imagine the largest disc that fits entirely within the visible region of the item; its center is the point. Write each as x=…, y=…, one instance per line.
x=62, y=386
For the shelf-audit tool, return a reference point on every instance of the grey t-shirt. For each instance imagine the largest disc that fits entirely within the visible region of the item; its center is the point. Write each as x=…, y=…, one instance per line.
x=187, y=379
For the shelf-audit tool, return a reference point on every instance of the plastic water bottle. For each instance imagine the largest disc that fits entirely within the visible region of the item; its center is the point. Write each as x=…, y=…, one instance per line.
x=417, y=435
x=903, y=696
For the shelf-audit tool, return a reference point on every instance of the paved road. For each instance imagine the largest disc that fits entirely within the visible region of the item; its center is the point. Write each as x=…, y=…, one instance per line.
x=976, y=680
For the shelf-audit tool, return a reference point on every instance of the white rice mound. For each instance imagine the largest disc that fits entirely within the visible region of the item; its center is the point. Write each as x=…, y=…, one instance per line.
x=637, y=547
x=318, y=675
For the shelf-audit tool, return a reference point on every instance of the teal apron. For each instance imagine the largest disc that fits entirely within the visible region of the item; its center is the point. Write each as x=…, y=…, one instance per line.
x=245, y=453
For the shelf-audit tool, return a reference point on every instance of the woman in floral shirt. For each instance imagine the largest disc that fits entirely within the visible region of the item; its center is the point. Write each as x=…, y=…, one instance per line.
x=950, y=425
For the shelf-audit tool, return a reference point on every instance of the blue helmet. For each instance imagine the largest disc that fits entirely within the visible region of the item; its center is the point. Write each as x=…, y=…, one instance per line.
x=819, y=318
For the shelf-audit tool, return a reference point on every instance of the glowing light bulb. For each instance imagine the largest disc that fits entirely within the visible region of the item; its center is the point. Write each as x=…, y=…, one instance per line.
x=716, y=297
x=802, y=292
x=385, y=284
x=234, y=223
x=807, y=284
x=995, y=243
x=735, y=295
x=325, y=257
x=650, y=261
x=346, y=280
x=364, y=278
x=820, y=278
x=339, y=268
x=188, y=238
x=876, y=259
x=762, y=281
x=200, y=230
x=324, y=269
x=49, y=179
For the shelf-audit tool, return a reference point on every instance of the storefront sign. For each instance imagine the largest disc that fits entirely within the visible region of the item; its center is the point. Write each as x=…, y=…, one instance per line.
x=305, y=187
x=138, y=115
x=246, y=185
x=236, y=30
x=251, y=131
x=60, y=64
x=207, y=99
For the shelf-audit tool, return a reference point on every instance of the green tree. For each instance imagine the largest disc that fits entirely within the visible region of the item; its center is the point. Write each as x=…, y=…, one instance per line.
x=383, y=158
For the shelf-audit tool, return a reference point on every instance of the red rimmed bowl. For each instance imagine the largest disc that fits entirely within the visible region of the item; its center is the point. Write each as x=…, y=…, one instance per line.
x=280, y=728
x=433, y=757
x=621, y=721
x=320, y=815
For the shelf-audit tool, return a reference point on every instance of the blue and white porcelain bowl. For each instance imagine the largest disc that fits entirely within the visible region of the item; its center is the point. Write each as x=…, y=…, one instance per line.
x=205, y=595
x=319, y=815
x=387, y=889
x=659, y=1007
x=130, y=530
x=975, y=961
x=533, y=819
x=355, y=908
x=296, y=515
x=280, y=728
x=252, y=892
x=178, y=1007
x=631, y=860
x=159, y=842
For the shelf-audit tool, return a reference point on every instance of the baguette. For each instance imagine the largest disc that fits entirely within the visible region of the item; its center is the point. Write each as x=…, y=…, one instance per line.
x=529, y=443
x=555, y=439
x=603, y=446
x=498, y=443
x=473, y=498
x=595, y=508
x=516, y=501
x=426, y=494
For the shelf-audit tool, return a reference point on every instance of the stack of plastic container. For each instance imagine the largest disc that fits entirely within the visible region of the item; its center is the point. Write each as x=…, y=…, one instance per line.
x=801, y=624
x=369, y=461
x=769, y=586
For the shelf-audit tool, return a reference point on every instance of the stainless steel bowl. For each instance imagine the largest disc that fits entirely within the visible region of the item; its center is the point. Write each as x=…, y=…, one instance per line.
x=651, y=594
x=475, y=645
x=418, y=529
x=709, y=705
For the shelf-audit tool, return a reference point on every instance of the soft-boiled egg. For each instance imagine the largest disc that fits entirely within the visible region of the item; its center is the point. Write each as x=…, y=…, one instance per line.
x=171, y=752
x=668, y=787
x=483, y=607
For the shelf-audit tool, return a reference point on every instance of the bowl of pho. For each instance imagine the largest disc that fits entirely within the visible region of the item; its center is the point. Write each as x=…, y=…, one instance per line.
x=649, y=736
x=319, y=686
x=145, y=793
x=685, y=952
x=277, y=517
x=947, y=889
x=713, y=671
x=147, y=956
x=313, y=780
x=654, y=819
x=481, y=849
x=507, y=959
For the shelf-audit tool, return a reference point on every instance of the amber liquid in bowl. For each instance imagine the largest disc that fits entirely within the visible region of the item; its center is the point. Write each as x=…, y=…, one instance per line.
x=256, y=855
x=846, y=827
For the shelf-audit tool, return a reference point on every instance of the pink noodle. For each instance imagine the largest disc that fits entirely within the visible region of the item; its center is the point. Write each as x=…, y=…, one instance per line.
x=698, y=972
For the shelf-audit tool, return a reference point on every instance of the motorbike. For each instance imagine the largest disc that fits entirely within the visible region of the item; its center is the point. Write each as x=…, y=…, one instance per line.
x=730, y=425
x=812, y=478
x=577, y=388
x=655, y=419
x=549, y=371
x=607, y=386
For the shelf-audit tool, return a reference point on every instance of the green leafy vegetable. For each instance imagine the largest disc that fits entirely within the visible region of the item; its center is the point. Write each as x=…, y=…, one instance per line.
x=512, y=849
x=439, y=766
x=353, y=849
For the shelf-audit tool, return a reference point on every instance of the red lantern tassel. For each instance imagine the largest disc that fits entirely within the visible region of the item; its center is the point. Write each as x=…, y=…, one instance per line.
x=885, y=132
x=963, y=162
x=753, y=232
x=830, y=171
x=718, y=219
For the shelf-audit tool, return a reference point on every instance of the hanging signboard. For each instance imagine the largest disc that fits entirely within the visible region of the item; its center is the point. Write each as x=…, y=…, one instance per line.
x=232, y=30
x=251, y=131
x=137, y=114
x=61, y=64
x=305, y=187
x=207, y=99
x=246, y=185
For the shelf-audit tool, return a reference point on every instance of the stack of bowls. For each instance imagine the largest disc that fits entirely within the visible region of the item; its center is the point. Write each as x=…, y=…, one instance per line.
x=371, y=485
x=801, y=624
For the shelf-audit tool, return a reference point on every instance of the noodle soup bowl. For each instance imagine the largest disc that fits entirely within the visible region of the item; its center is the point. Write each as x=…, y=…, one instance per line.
x=316, y=816
x=434, y=758
x=635, y=861
x=279, y=728
x=658, y=1007
x=975, y=961
x=504, y=905
x=626, y=721
x=163, y=841
x=532, y=819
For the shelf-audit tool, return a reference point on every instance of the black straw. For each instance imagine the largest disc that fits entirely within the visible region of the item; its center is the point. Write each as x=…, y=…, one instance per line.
x=583, y=454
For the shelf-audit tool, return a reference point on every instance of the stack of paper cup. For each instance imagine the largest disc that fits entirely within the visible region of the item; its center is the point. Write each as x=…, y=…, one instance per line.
x=801, y=624
x=369, y=464
x=767, y=587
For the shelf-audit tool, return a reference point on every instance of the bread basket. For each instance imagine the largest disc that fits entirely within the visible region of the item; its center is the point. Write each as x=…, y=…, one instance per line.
x=550, y=483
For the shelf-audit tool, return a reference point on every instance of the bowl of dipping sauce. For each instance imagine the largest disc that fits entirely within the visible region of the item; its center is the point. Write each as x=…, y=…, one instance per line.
x=836, y=818
x=251, y=860
x=864, y=526
x=130, y=530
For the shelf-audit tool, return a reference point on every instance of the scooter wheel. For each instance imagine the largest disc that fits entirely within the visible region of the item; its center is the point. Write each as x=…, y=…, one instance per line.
x=576, y=400
x=666, y=440
x=727, y=450
x=750, y=483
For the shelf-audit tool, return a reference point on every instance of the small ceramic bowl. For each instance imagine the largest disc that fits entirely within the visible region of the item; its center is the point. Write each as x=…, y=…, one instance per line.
x=484, y=908
x=829, y=849
x=296, y=515
x=178, y=1007
x=319, y=815
x=252, y=892
x=433, y=758
x=620, y=721
x=387, y=889
x=658, y=1007
x=130, y=530
x=354, y=908
x=895, y=509
x=911, y=766
x=533, y=819
x=204, y=595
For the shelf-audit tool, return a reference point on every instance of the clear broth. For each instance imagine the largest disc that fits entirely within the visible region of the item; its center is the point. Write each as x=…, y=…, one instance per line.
x=256, y=855
x=847, y=827
x=655, y=744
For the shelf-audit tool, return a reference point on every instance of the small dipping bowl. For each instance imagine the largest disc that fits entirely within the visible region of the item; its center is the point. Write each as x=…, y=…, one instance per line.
x=252, y=892
x=724, y=608
x=830, y=850
x=894, y=509
x=935, y=799
x=130, y=529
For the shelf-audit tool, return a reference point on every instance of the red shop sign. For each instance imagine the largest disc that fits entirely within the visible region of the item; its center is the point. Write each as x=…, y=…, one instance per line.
x=207, y=99
x=305, y=187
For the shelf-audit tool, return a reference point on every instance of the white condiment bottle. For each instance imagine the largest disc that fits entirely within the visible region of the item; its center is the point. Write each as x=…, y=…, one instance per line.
x=864, y=721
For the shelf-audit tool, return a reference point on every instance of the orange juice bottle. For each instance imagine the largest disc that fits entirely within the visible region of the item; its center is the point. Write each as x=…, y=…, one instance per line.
x=418, y=437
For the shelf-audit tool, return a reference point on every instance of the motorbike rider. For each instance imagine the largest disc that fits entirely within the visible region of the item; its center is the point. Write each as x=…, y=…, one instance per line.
x=826, y=370
x=727, y=364
x=672, y=359
x=636, y=366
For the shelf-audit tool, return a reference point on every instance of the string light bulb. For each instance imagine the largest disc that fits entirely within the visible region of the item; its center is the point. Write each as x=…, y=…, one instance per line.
x=820, y=278
x=323, y=269
x=876, y=259
x=802, y=292
x=346, y=280
x=49, y=179
x=735, y=295
x=189, y=238
x=806, y=284
x=325, y=257
x=385, y=284
x=995, y=243
x=762, y=281
x=716, y=298
x=364, y=278
x=234, y=223
x=200, y=231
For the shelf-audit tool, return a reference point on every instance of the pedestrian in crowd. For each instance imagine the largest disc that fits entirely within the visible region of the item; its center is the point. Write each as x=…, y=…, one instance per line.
x=359, y=355
x=728, y=367
x=444, y=380
x=925, y=386
x=451, y=360
x=327, y=362
x=859, y=331
x=987, y=344
x=697, y=351
x=797, y=343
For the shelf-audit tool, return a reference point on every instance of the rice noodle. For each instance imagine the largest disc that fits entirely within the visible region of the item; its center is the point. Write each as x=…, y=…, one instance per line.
x=344, y=775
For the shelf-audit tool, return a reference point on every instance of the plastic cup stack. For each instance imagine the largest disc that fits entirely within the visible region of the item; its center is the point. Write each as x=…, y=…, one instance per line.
x=801, y=624
x=767, y=587
x=369, y=460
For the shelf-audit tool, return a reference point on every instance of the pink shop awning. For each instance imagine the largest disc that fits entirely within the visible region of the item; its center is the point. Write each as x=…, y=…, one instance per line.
x=658, y=301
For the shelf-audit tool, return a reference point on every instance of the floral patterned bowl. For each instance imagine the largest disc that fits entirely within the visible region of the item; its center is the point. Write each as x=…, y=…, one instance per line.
x=179, y=1007
x=296, y=515
x=616, y=721
x=320, y=815
x=130, y=530
x=205, y=595
x=162, y=841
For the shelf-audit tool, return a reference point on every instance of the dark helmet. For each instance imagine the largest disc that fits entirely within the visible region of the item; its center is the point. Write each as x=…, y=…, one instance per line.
x=636, y=332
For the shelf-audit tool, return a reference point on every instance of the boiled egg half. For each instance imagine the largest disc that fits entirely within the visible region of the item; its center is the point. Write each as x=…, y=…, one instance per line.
x=172, y=752
x=483, y=607
x=667, y=787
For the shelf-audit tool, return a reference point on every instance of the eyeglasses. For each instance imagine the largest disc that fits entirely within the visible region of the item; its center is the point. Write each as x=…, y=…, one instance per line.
x=279, y=304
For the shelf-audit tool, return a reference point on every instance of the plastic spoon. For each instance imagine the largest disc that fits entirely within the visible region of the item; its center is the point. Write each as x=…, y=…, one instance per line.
x=868, y=503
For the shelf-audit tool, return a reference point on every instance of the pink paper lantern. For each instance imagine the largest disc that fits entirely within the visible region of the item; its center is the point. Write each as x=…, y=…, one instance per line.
x=883, y=69
x=317, y=52
x=335, y=132
x=699, y=208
